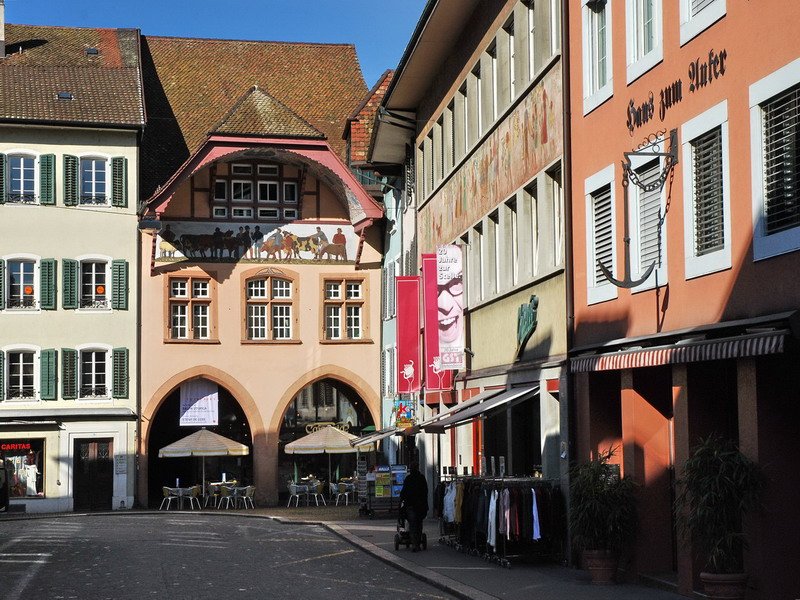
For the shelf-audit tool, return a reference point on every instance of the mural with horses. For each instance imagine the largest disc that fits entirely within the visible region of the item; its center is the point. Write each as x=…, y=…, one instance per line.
x=257, y=242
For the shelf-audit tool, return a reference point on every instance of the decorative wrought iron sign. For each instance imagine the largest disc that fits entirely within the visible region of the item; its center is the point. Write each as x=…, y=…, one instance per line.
x=701, y=74
x=651, y=147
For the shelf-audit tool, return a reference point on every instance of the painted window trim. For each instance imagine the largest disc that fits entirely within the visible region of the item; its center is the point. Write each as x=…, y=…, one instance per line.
x=606, y=291
x=343, y=302
x=691, y=27
x=109, y=372
x=293, y=301
x=37, y=357
x=189, y=301
x=767, y=246
x=109, y=282
x=599, y=96
x=36, y=155
x=661, y=273
x=37, y=280
x=636, y=67
x=109, y=179
x=697, y=266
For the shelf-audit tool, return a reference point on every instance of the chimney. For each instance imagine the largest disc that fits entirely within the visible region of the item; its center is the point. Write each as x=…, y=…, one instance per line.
x=2, y=29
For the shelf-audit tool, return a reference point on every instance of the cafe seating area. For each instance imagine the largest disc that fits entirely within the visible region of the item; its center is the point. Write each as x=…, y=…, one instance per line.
x=310, y=490
x=218, y=495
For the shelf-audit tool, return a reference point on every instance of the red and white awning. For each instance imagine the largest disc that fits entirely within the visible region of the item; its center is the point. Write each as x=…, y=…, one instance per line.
x=756, y=344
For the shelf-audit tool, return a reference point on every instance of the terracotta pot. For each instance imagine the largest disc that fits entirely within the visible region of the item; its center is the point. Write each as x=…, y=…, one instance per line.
x=724, y=586
x=602, y=566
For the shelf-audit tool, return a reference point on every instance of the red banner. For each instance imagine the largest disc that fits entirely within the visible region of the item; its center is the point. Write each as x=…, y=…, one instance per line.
x=408, y=351
x=436, y=378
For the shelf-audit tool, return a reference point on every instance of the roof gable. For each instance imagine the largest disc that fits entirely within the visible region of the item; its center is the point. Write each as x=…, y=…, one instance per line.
x=259, y=114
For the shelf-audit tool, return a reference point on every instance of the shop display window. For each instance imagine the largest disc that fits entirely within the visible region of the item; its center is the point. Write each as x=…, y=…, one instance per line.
x=24, y=460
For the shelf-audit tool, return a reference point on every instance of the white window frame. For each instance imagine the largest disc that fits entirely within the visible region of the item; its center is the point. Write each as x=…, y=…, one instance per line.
x=109, y=373
x=592, y=98
x=767, y=246
x=291, y=184
x=109, y=291
x=659, y=274
x=638, y=65
x=269, y=184
x=37, y=283
x=246, y=212
x=691, y=26
x=267, y=170
x=109, y=180
x=605, y=291
x=243, y=182
x=272, y=214
x=36, y=175
x=697, y=266
x=244, y=169
x=285, y=330
x=220, y=212
x=36, y=372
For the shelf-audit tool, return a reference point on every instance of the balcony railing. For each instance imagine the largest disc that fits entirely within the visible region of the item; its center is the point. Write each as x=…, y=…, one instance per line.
x=93, y=200
x=25, y=392
x=94, y=391
x=22, y=199
x=26, y=302
x=95, y=303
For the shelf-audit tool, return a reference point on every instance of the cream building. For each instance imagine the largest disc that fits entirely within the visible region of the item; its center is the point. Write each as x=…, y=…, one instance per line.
x=71, y=112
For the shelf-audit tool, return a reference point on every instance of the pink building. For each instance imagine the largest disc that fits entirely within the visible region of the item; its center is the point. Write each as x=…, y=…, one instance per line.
x=262, y=285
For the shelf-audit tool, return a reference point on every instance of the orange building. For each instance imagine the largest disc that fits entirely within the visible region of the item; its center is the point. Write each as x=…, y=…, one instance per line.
x=685, y=115
x=260, y=274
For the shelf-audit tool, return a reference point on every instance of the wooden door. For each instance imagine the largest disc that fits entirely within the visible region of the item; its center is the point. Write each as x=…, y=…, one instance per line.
x=93, y=483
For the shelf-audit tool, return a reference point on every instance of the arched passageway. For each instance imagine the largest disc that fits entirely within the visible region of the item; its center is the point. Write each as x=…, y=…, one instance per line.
x=165, y=429
x=324, y=402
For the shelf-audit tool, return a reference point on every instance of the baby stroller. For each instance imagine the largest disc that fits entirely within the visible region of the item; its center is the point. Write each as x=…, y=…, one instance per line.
x=403, y=535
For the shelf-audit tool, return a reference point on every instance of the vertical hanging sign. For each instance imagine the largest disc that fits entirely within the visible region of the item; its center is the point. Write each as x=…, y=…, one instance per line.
x=408, y=351
x=436, y=378
x=450, y=306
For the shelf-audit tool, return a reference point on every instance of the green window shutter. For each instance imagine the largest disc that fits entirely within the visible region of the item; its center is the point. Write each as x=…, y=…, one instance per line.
x=47, y=370
x=119, y=182
x=119, y=284
x=47, y=179
x=47, y=284
x=2, y=178
x=72, y=181
x=119, y=358
x=70, y=283
x=2, y=284
x=69, y=373
x=2, y=377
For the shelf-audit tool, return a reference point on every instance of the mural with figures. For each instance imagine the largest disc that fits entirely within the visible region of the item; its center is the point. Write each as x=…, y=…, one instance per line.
x=525, y=142
x=256, y=242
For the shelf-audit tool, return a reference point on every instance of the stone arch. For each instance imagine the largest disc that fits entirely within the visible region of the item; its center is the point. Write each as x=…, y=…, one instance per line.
x=361, y=387
x=239, y=392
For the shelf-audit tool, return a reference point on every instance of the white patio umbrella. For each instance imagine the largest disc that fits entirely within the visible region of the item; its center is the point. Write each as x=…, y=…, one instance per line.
x=326, y=440
x=203, y=443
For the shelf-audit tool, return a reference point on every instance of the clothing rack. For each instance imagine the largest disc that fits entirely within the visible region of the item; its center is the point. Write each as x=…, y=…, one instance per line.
x=465, y=517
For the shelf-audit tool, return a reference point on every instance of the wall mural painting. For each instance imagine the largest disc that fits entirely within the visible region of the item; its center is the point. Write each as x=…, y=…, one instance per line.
x=256, y=242
x=528, y=140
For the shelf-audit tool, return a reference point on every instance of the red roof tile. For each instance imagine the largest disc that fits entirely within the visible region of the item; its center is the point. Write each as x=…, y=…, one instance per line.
x=43, y=61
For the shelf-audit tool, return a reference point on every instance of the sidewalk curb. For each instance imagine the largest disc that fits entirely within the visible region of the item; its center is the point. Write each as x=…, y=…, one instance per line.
x=429, y=576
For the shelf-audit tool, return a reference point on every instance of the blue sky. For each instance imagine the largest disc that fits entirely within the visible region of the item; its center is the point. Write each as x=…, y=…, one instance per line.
x=380, y=29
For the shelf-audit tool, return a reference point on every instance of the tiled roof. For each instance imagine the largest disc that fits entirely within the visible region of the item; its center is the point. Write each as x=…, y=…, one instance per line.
x=43, y=61
x=258, y=113
x=361, y=123
x=191, y=84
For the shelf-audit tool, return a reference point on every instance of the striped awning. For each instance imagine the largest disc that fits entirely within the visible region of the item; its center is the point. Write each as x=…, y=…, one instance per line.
x=755, y=344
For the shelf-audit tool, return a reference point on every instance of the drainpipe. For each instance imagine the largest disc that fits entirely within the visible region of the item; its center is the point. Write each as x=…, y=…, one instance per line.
x=567, y=407
x=2, y=29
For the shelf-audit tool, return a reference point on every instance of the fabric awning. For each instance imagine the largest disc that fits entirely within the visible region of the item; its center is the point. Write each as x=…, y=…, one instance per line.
x=374, y=436
x=754, y=344
x=475, y=410
x=483, y=396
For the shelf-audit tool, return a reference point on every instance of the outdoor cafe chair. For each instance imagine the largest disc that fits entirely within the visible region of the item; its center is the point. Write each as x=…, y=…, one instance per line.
x=194, y=496
x=342, y=490
x=212, y=495
x=246, y=496
x=296, y=491
x=315, y=491
x=226, y=496
x=170, y=494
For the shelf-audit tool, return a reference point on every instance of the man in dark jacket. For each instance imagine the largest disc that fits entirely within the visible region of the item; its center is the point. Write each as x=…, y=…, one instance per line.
x=415, y=498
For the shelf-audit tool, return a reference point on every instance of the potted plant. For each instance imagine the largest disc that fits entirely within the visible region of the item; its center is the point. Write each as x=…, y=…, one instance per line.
x=602, y=515
x=718, y=487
